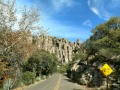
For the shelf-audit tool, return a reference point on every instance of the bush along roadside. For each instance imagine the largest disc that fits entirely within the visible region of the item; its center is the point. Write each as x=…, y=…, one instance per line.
x=39, y=66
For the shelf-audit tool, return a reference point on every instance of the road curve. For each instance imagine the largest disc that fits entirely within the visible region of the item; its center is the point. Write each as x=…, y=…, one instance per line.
x=56, y=82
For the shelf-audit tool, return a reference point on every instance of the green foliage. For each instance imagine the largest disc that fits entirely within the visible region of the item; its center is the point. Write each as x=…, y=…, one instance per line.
x=106, y=52
x=63, y=69
x=28, y=77
x=79, y=56
x=106, y=35
x=42, y=63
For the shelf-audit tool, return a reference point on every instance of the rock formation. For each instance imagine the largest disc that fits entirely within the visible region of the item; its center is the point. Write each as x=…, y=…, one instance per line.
x=63, y=48
x=87, y=72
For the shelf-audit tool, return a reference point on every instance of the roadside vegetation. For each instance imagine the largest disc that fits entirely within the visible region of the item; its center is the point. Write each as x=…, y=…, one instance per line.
x=102, y=47
x=39, y=66
x=62, y=69
x=21, y=63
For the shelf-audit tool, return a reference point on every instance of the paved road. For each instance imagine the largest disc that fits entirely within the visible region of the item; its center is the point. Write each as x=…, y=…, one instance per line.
x=55, y=82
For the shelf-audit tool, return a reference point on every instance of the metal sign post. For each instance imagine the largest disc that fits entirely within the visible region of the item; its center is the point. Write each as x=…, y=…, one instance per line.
x=106, y=70
x=107, y=82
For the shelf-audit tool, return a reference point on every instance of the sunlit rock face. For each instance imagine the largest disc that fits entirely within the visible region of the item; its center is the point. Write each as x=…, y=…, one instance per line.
x=63, y=48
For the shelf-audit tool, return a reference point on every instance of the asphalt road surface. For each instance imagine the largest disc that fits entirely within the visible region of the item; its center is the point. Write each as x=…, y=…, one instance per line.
x=55, y=82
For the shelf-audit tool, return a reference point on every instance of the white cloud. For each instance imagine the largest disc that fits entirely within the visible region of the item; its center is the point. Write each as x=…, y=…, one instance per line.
x=87, y=23
x=98, y=7
x=59, y=4
x=95, y=10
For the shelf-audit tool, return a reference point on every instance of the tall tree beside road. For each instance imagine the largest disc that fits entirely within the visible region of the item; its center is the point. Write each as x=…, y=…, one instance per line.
x=15, y=39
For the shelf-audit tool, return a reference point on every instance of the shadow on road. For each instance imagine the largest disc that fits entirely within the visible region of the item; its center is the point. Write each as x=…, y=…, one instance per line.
x=69, y=80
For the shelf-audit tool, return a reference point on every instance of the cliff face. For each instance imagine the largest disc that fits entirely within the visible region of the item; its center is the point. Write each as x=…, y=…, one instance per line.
x=63, y=48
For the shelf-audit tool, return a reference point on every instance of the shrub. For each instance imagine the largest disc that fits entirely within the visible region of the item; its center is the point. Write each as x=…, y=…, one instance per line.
x=28, y=77
x=42, y=63
x=63, y=69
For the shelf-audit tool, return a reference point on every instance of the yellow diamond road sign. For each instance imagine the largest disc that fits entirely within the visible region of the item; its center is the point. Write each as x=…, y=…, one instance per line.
x=106, y=69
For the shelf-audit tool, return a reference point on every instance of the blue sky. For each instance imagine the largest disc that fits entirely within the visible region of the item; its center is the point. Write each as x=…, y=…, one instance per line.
x=73, y=19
